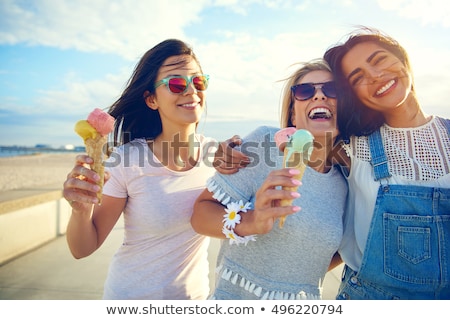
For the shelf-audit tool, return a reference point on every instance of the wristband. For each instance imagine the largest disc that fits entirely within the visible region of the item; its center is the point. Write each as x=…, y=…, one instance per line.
x=231, y=219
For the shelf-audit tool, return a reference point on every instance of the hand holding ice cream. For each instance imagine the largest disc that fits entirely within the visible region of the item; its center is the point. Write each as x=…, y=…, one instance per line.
x=297, y=146
x=94, y=132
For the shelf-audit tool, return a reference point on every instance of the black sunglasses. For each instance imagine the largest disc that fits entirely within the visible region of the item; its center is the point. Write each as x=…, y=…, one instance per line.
x=306, y=91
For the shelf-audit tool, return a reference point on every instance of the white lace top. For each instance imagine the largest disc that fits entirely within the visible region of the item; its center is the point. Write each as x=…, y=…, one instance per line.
x=416, y=156
x=421, y=153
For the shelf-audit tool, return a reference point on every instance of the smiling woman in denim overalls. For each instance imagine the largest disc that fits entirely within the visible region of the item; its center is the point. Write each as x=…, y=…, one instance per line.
x=396, y=241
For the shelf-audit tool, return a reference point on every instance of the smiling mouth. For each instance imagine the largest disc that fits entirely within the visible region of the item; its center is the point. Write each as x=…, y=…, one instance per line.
x=189, y=105
x=386, y=87
x=320, y=113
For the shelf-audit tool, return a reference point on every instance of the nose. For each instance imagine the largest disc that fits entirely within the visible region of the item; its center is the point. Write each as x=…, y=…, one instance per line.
x=190, y=88
x=373, y=75
x=319, y=95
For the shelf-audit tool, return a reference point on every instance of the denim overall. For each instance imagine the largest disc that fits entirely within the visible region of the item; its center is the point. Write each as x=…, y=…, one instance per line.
x=407, y=255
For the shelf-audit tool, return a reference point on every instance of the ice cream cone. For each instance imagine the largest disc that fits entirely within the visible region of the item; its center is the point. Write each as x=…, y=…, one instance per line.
x=94, y=132
x=298, y=161
x=297, y=146
x=94, y=149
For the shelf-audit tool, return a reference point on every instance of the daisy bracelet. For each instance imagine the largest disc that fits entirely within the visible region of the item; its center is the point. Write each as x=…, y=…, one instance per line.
x=231, y=219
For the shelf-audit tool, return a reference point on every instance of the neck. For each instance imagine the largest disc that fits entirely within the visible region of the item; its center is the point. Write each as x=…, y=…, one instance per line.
x=177, y=150
x=319, y=160
x=408, y=115
x=177, y=134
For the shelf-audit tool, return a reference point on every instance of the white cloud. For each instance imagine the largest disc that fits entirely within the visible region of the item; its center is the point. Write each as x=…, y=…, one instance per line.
x=247, y=70
x=122, y=27
x=430, y=12
x=79, y=97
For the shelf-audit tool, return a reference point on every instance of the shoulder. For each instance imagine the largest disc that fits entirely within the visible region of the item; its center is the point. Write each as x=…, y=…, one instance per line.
x=261, y=133
x=136, y=148
x=207, y=144
x=260, y=141
x=205, y=140
x=265, y=130
x=444, y=122
x=441, y=119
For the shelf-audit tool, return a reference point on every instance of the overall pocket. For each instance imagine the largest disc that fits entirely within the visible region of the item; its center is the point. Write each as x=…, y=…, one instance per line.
x=411, y=248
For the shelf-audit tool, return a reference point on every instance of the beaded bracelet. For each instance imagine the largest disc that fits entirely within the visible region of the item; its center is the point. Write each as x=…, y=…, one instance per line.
x=231, y=219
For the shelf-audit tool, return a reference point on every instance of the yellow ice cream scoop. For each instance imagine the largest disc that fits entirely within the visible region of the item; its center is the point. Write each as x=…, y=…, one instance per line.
x=85, y=130
x=94, y=131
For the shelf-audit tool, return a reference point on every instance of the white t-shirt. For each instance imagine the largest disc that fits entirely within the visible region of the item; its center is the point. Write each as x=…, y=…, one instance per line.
x=416, y=156
x=161, y=256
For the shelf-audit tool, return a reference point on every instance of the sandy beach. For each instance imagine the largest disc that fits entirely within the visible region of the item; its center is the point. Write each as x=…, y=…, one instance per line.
x=30, y=171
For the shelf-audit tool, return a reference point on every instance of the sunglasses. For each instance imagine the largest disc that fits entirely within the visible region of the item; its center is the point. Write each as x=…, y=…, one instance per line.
x=306, y=91
x=180, y=84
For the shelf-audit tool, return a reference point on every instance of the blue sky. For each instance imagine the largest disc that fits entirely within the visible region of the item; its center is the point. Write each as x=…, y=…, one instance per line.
x=60, y=59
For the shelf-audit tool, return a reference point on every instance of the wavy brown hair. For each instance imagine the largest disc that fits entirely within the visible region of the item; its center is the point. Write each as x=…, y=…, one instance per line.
x=355, y=118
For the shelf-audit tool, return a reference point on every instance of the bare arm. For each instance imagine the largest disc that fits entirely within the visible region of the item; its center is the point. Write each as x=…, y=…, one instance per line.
x=208, y=212
x=89, y=224
x=228, y=160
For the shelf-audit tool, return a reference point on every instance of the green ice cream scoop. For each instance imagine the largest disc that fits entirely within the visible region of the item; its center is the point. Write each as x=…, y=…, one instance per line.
x=300, y=142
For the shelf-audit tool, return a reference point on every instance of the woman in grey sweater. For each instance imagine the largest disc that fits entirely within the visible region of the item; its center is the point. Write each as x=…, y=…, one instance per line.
x=257, y=259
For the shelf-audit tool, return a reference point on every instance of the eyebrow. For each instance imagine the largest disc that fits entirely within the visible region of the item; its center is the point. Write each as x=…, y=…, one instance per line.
x=368, y=60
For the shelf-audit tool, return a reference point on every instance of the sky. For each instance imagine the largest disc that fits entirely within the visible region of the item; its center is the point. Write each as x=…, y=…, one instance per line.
x=60, y=59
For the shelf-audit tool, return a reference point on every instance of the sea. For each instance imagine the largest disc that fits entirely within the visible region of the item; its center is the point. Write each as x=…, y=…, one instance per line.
x=15, y=151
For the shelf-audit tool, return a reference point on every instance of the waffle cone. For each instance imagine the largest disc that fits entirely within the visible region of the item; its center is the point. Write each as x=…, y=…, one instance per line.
x=295, y=161
x=94, y=148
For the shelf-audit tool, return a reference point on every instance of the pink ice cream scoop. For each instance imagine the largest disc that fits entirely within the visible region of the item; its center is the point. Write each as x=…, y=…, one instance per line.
x=102, y=121
x=282, y=136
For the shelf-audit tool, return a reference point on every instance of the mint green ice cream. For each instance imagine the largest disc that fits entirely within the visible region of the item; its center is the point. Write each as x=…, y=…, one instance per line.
x=300, y=142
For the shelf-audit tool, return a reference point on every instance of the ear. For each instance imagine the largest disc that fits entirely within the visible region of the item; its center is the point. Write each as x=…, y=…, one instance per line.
x=150, y=100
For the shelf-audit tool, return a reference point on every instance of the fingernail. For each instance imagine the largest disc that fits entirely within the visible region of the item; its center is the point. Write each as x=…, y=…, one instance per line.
x=296, y=209
x=295, y=194
x=296, y=182
x=95, y=188
x=294, y=171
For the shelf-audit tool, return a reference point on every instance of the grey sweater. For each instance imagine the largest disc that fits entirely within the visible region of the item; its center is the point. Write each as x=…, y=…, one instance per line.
x=287, y=263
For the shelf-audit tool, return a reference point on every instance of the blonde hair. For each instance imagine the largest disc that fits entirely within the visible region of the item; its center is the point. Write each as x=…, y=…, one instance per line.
x=287, y=101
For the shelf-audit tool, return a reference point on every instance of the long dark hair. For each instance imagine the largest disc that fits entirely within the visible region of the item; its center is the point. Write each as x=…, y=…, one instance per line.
x=134, y=119
x=355, y=118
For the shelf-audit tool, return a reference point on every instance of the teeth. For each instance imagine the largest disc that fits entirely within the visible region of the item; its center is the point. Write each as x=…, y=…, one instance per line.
x=189, y=105
x=322, y=113
x=385, y=87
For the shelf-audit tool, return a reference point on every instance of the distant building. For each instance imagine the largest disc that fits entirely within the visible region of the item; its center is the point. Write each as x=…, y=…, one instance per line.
x=69, y=147
x=43, y=146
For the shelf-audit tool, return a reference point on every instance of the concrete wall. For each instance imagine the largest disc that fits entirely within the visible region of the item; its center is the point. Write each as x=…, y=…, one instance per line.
x=30, y=221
